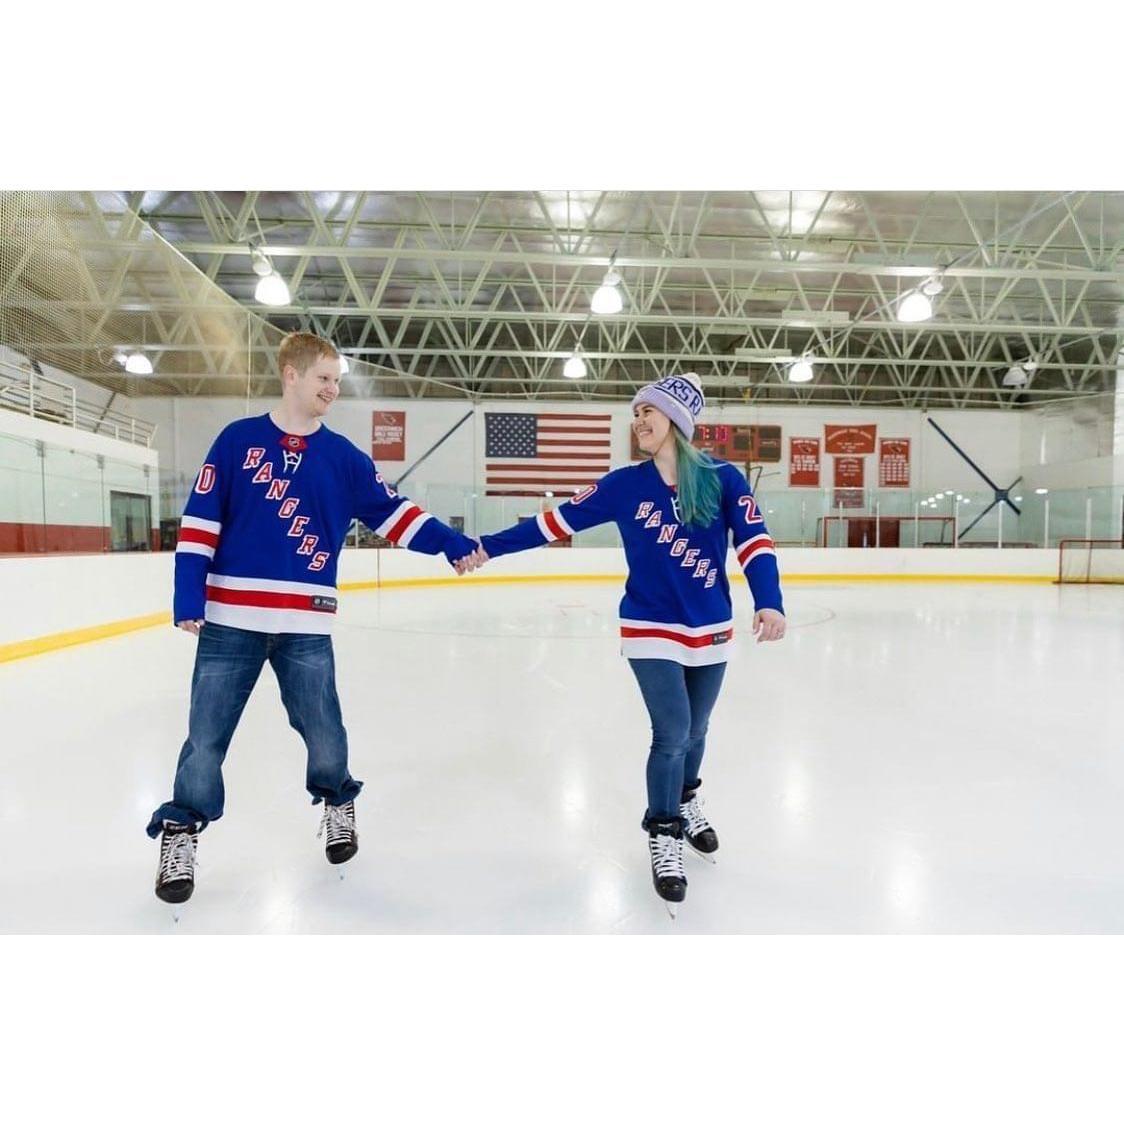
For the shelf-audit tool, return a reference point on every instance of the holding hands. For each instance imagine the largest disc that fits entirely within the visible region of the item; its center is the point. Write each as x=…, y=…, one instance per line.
x=472, y=561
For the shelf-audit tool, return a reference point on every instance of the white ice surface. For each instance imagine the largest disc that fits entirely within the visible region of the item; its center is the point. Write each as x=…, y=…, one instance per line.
x=913, y=758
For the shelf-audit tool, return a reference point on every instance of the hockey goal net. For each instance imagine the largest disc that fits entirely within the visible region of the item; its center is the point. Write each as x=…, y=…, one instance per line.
x=1091, y=560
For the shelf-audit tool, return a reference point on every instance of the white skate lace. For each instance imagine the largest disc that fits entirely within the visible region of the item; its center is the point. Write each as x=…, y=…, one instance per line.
x=692, y=813
x=177, y=858
x=667, y=856
x=340, y=824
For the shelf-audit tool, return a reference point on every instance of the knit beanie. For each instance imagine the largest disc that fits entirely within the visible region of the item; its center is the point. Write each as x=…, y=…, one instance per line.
x=679, y=397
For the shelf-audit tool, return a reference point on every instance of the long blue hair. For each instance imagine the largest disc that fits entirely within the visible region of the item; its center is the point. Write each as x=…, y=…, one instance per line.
x=699, y=489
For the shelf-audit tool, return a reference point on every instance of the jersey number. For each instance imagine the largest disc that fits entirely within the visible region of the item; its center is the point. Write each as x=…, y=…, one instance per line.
x=206, y=480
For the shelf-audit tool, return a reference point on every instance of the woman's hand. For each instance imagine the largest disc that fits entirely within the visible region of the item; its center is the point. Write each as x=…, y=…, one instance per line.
x=471, y=561
x=768, y=624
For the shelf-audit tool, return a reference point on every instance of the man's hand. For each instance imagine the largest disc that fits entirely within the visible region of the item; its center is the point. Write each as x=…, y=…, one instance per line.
x=190, y=626
x=768, y=624
x=471, y=561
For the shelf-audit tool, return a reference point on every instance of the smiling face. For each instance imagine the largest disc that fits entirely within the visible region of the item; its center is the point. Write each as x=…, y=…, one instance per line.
x=313, y=392
x=651, y=427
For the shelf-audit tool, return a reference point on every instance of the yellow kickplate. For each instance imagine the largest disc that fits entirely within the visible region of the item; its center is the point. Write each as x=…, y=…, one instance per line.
x=38, y=645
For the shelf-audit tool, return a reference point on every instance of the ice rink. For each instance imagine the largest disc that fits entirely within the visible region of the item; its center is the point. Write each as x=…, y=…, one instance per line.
x=913, y=758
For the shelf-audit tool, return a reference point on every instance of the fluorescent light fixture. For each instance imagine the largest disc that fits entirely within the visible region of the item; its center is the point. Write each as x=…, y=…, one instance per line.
x=574, y=367
x=811, y=318
x=769, y=353
x=138, y=364
x=272, y=290
x=1018, y=499
x=1041, y=491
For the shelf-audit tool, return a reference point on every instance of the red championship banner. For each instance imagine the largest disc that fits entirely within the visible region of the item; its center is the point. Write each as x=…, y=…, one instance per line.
x=849, y=440
x=848, y=482
x=388, y=435
x=803, y=462
x=893, y=462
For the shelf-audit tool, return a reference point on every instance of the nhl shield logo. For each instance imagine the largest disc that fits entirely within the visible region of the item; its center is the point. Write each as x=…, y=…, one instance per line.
x=292, y=448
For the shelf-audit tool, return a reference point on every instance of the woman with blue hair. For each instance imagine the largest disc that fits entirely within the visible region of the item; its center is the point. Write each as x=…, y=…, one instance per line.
x=676, y=513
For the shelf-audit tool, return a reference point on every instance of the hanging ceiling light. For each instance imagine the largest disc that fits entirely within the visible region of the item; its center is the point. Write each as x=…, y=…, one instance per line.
x=259, y=263
x=1019, y=374
x=137, y=363
x=608, y=299
x=574, y=367
x=917, y=305
x=914, y=308
x=272, y=290
x=801, y=370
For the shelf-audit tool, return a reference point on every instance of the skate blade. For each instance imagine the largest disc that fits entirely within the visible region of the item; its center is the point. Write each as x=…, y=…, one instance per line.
x=706, y=858
x=672, y=909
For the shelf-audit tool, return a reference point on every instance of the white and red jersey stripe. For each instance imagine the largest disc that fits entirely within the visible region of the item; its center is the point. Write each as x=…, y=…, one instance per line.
x=198, y=536
x=754, y=548
x=553, y=525
x=695, y=647
x=403, y=523
x=262, y=605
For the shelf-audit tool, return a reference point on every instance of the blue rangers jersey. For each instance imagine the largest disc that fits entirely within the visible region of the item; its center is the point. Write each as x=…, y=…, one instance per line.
x=263, y=527
x=676, y=603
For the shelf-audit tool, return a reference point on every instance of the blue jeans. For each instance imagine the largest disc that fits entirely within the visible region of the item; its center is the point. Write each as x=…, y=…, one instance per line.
x=228, y=662
x=679, y=701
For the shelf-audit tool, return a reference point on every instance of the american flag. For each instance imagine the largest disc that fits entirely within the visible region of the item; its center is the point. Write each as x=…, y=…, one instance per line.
x=532, y=454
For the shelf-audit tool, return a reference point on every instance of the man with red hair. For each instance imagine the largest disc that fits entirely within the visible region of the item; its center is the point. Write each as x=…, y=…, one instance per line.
x=256, y=580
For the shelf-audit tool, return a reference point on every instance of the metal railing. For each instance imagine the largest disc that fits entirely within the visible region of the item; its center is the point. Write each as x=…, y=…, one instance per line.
x=40, y=396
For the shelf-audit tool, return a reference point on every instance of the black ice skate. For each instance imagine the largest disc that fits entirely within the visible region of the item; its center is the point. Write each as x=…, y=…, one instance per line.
x=175, y=877
x=665, y=846
x=343, y=840
x=700, y=836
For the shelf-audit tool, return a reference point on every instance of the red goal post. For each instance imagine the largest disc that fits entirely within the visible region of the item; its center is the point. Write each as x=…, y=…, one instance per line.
x=1091, y=561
